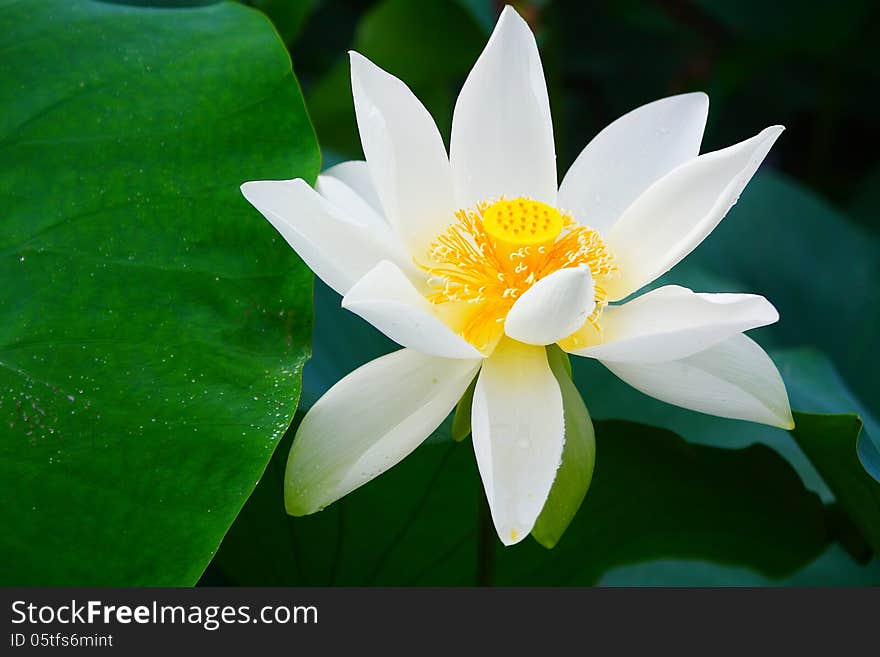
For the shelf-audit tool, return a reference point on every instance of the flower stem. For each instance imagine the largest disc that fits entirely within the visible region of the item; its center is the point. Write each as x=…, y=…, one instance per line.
x=485, y=543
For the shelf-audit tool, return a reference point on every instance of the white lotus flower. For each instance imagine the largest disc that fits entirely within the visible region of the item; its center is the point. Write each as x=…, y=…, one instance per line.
x=474, y=262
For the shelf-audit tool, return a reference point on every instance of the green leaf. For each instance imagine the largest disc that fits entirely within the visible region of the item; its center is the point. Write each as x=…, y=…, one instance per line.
x=869, y=455
x=154, y=324
x=653, y=495
x=162, y=3
x=865, y=203
x=815, y=386
x=578, y=458
x=830, y=443
x=833, y=568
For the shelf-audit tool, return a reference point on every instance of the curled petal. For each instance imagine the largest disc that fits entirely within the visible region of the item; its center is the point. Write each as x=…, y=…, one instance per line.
x=553, y=308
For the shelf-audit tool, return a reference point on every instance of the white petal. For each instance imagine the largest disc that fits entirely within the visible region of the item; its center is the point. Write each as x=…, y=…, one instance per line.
x=629, y=155
x=336, y=247
x=734, y=379
x=348, y=186
x=368, y=422
x=673, y=322
x=405, y=155
x=553, y=308
x=518, y=434
x=387, y=299
x=677, y=212
x=502, y=134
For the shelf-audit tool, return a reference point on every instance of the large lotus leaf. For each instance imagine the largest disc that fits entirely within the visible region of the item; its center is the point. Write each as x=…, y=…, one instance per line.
x=154, y=325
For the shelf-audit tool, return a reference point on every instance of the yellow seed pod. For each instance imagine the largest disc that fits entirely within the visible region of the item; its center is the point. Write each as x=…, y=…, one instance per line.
x=522, y=222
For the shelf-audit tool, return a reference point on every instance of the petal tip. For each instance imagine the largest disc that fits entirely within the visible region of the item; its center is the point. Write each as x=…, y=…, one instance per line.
x=253, y=190
x=355, y=61
x=787, y=422
x=359, y=64
x=294, y=509
x=766, y=312
x=511, y=535
x=507, y=11
x=511, y=18
x=773, y=132
x=782, y=417
x=700, y=98
x=295, y=503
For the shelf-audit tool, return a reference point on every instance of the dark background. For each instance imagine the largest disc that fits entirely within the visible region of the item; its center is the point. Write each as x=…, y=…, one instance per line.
x=811, y=66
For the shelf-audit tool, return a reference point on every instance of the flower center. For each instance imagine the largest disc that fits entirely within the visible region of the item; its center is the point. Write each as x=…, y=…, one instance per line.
x=492, y=254
x=522, y=222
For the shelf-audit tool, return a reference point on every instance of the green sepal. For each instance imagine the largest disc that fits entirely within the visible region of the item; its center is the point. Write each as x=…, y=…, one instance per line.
x=461, y=421
x=578, y=457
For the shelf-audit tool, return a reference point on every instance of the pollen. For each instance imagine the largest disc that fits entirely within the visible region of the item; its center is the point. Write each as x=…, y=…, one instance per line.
x=493, y=253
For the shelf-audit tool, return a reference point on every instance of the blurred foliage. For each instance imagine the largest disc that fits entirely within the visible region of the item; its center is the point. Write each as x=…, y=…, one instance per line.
x=432, y=46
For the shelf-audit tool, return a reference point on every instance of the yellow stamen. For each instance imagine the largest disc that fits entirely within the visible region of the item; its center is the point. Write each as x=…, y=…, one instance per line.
x=484, y=262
